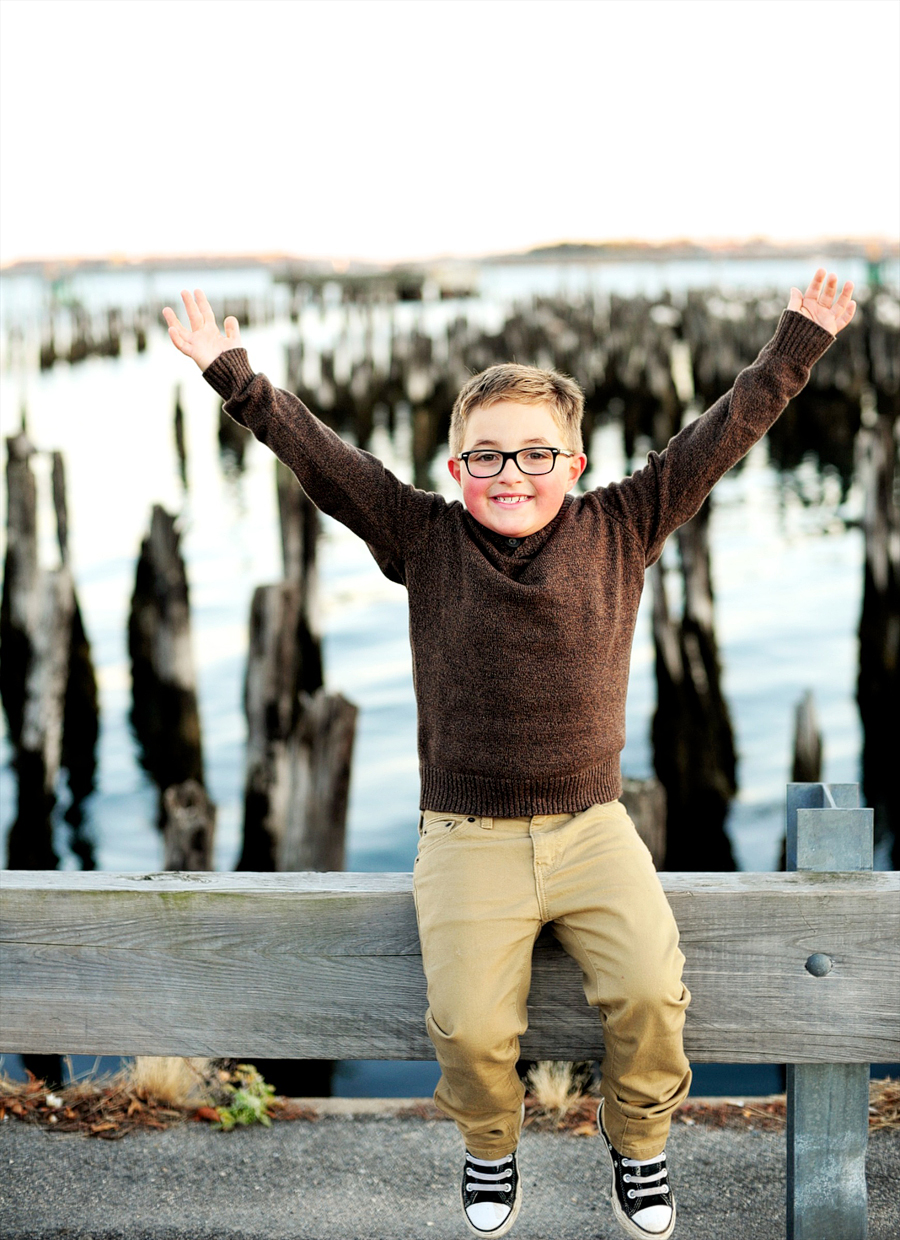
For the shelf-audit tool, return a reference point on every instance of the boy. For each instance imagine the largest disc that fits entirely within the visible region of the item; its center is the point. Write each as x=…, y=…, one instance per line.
x=523, y=602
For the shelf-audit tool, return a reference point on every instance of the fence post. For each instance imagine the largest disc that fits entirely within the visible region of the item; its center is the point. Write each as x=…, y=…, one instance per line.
x=827, y=1104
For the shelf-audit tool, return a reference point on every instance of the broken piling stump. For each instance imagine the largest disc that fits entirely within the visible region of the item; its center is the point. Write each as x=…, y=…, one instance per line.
x=164, y=712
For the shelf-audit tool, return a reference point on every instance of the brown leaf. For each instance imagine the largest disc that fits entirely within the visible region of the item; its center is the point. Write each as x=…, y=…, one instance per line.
x=208, y=1113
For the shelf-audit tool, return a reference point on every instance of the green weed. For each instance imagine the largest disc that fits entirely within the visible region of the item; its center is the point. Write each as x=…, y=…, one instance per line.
x=249, y=1099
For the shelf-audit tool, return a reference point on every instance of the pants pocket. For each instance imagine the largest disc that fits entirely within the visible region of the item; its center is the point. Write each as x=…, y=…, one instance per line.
x=436, y=828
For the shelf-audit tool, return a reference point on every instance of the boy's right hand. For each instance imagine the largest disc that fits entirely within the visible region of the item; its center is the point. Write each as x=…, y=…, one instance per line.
x=204, y=342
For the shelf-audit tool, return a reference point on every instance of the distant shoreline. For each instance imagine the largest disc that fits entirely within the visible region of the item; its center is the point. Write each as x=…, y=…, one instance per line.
x=873, y=249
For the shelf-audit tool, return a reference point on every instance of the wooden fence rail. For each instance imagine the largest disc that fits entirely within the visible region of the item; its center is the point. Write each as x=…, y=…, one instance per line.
x=311, y=965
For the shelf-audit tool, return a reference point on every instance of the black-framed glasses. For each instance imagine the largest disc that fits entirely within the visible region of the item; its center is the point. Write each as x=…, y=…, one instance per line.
x=487, y=462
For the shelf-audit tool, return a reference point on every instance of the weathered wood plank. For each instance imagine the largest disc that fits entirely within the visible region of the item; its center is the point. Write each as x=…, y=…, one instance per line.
x=327, y=966
x=348, y=882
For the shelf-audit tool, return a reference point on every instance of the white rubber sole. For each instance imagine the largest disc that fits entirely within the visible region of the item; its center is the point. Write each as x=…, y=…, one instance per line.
x=622, y=1218
x=505, y=1226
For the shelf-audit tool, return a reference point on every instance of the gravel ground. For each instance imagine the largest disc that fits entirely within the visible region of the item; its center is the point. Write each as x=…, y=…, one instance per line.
x=378, y=1177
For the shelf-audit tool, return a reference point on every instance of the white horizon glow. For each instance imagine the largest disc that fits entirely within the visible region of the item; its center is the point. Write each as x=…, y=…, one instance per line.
x=387, y=130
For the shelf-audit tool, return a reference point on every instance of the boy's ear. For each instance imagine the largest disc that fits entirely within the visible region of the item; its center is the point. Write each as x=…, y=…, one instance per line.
x=577, y=466
x=455, y=468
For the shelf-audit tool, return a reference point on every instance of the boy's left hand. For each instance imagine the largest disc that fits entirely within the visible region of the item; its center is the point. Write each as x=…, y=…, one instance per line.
x=818, y=302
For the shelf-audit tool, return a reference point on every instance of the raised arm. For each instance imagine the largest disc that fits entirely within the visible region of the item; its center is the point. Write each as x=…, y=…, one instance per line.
x=673, y=484
x=351, y=485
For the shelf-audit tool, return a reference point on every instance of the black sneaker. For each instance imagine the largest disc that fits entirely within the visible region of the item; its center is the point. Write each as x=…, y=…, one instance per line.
x=641, y=1197
x=491, y=1194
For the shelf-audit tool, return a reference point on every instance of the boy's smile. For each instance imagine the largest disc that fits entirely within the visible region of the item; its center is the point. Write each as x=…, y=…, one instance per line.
x=514, y=503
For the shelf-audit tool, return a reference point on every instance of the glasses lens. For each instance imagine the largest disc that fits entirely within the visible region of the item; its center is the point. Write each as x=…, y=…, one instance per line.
x=484, y=464
x=535, y=460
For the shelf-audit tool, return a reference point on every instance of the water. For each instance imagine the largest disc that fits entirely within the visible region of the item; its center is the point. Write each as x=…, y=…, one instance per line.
x=787, y=576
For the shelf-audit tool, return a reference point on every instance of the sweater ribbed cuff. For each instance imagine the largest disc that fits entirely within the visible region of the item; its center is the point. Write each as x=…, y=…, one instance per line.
x=800, y=339
x=230, y=373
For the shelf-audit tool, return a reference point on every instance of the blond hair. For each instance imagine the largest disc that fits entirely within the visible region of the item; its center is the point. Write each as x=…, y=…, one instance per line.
x=528, y=385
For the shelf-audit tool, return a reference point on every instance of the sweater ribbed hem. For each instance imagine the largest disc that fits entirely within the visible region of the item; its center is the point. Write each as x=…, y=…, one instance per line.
x=456, y=793
x=229, y=373
x=800, y=339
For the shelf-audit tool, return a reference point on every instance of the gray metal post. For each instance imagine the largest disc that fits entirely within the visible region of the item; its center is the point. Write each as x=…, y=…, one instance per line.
x=827, y=1104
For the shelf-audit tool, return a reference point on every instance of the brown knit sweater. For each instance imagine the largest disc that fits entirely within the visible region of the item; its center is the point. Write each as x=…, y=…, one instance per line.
x=521, y=657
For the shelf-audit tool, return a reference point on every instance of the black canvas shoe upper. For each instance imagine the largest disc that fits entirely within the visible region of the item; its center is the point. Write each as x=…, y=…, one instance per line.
x=642, y=1198
x=490, y=1192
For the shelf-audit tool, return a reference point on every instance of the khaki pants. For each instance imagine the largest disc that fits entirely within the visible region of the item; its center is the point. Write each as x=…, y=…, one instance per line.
x=484, y=888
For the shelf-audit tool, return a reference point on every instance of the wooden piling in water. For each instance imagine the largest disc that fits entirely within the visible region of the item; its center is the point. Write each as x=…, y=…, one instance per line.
x=807, y=764
x=878, y=683
x=233, y=438
x=47, y=355
x=645, y=801
x=39, y=744
x=693, y=740
x=300, y=738
x=81, y=713
x=164, y=711
x=178, y=427
x=81, y=731
x=20, y=573
x=269, y=704
x=46, y=674
x=299, y=524
x=189, y=827
x=139, y=327
x=320, y=754
x=81, y=344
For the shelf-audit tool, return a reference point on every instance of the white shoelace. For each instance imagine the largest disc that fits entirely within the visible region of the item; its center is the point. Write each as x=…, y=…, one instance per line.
x=489, y=1183
x=657, y=1189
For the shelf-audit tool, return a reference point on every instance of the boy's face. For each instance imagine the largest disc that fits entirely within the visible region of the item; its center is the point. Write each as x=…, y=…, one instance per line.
x=513, y=503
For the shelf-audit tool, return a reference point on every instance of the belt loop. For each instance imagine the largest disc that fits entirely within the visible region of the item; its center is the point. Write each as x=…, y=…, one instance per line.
x=487, y=823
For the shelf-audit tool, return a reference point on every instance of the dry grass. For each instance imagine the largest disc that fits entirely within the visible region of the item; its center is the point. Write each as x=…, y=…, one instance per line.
x=555, y=1088
x=884, y=1105
x=172, y=1081
x=107, y=1108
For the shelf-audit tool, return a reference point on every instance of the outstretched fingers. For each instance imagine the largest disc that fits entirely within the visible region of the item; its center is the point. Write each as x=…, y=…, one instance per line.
x=823, y=289
x=842, y=303
x=205, y=308
x=177, y=334
x=844, y=308
x=814, y=287
x=194, y=313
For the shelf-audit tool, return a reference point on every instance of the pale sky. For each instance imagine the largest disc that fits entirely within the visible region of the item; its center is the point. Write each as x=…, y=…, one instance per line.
x=403, y=128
